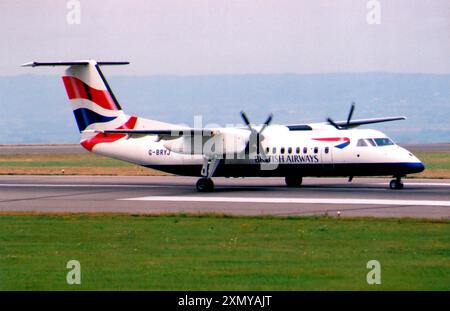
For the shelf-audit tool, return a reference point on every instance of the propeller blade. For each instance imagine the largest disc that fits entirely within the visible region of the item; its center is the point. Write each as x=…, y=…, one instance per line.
x=244, y=117
x=258, y=143
x=350, y=114
x=334, y=124
x=269, y=119
x=255, y=138
x=267, y=123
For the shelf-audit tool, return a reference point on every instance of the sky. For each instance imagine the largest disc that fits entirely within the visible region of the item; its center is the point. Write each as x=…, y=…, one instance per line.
x=200, y=37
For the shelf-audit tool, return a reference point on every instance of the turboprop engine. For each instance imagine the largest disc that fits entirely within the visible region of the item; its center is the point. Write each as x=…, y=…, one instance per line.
x=222, y=142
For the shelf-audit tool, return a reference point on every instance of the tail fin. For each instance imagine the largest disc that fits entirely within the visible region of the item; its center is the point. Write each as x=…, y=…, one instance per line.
x=94, y=105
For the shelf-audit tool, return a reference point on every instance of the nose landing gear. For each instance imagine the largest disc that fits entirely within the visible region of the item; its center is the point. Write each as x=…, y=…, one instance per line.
x=396, y=183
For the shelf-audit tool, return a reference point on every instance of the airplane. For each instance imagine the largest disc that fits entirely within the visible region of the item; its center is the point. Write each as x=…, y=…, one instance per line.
x=327, y=149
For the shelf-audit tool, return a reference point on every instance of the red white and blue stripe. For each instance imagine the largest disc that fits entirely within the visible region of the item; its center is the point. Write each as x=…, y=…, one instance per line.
x=95, y=109
x=345, y=141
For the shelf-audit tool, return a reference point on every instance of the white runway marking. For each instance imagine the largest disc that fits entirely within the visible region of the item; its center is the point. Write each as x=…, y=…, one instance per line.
x=289, y=200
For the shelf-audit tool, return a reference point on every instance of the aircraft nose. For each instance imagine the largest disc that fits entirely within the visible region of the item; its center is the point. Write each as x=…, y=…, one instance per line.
x=415, y=167
x=421, y=167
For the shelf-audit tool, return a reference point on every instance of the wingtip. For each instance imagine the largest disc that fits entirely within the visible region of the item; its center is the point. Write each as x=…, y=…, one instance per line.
x=29, y=64
x=399, y=118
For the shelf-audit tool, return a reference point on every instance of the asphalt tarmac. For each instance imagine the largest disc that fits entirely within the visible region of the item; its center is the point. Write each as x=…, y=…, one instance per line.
x=420, y=198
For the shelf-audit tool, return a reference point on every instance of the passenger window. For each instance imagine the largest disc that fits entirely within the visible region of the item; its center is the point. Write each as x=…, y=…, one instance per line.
x=316, y=150
x=361, y=143
x=305, y=150
x=274, y=150
x=267, y=149
x=297, y=150
x=290, y=150
x=327, y=149
x=282, y=150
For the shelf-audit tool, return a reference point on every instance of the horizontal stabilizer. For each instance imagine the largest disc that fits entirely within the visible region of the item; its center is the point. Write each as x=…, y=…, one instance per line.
x=74, y=63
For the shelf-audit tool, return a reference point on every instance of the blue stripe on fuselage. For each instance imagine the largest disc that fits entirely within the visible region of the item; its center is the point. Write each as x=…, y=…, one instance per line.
x=413, y=167
x=343, y=145
x=297, y=169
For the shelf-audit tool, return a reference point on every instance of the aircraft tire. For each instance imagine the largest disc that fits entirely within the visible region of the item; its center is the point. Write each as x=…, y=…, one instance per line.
x=205, y=185
x=293, y=181
x=395, y=184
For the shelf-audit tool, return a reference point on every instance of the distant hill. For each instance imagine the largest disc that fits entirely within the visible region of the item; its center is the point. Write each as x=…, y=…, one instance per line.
x=35, y=109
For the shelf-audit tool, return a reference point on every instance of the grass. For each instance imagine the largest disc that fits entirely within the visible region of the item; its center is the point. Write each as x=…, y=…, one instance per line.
x=437, y=165
x=72, y=164
x=436, y=160
x=119, y=252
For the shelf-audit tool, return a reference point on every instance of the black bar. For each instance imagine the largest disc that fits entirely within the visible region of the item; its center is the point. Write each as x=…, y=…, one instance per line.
x=230, y=300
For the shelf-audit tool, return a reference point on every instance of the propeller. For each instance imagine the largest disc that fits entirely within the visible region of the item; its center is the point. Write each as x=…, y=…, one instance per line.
x=256, y=136
x=349, y=118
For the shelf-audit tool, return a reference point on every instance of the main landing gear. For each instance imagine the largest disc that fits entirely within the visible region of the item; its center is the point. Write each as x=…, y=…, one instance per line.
x=396, y=183
x=206, y=184
x=293, y=181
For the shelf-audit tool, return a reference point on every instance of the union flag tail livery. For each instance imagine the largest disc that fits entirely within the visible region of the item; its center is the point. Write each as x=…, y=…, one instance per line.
x=332, y=148
x=93, y=104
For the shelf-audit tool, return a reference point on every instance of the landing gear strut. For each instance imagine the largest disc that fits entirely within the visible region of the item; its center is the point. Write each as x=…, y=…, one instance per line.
x=293, y=181
x=396, y=183
x=205, y=184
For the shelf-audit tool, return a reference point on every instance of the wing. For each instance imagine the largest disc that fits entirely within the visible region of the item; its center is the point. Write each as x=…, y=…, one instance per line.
x=351, y=124
x=179, y=140
x=162, y=134
x=359, y=122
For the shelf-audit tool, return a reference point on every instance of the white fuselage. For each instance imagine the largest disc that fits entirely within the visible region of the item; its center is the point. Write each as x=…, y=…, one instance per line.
x=323, y=152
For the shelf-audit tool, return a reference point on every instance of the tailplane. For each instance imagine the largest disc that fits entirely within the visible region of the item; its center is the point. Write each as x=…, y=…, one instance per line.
x=94, y=105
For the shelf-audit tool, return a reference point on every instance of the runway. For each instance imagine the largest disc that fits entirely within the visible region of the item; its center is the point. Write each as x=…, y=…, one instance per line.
x=250, y=196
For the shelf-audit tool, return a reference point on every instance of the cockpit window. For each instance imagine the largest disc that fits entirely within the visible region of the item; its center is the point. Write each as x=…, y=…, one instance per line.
x=361, y=143
x=364, y=142
x=383, y=141
x=370, y=140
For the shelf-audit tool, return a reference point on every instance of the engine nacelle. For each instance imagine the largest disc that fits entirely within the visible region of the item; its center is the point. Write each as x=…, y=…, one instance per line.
x=222, y=143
